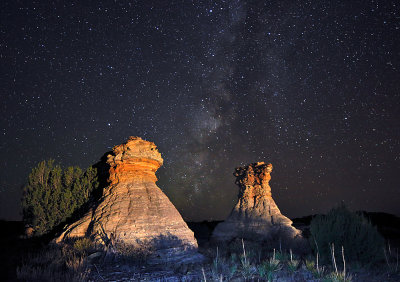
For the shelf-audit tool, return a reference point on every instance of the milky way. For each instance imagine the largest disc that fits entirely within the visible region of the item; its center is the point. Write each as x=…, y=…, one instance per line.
x=311, y=86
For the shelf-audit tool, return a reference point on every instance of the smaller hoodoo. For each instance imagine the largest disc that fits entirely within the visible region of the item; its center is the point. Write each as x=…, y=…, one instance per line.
x=256, y=215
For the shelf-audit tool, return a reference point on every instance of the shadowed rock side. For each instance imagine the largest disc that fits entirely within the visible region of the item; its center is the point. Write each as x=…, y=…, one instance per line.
x=255, y=216
x=133, y=210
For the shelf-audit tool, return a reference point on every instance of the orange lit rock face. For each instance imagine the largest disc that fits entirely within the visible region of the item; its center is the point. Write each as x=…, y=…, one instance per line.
x=133, y=210
x=256, y=215
x=253, y=180
x=126, y=172
x=136, y=160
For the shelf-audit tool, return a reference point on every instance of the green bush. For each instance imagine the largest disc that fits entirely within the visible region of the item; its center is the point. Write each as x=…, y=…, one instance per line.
x=84, y=245
x=361, y=241
x=52, y=194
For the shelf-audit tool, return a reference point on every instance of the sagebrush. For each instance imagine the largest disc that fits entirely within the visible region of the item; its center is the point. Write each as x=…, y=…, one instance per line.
x=349, y=230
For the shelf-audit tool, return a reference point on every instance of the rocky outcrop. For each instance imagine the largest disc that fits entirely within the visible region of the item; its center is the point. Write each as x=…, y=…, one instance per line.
x=133, y=210
x=256, y=215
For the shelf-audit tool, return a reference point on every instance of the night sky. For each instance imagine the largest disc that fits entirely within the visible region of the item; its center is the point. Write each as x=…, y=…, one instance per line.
x=311, y=86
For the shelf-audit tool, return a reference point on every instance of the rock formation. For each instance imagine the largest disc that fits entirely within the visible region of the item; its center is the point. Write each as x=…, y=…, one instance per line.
x=255, y=216
x=133, y=210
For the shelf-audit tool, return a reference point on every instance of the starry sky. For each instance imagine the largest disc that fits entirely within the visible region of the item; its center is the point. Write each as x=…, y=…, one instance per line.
x=311, y=86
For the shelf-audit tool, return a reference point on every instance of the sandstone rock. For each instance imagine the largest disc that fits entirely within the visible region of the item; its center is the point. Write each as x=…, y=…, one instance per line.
x=133, y=210
x=29, y=231
x=256, y=215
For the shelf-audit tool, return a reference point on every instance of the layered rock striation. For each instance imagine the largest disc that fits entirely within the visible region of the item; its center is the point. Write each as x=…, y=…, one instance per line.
x=256, y=215
x=133, y=210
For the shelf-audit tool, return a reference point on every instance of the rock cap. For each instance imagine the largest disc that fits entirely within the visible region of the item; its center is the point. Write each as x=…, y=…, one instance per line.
x=134, y=159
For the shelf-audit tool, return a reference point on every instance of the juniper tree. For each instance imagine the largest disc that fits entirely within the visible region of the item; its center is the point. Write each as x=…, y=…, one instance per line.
x=52, y=194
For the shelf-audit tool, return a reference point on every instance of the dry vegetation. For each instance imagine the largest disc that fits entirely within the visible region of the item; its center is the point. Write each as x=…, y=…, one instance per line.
x=54, y=263
x=81, y=260
x=344, y=257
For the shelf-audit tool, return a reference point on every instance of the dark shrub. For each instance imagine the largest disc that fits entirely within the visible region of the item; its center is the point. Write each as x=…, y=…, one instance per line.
x=360, y=240
x=52, y=194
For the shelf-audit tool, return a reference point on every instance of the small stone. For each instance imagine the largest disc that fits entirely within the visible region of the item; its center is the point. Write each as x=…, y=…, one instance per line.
x=29, y=231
